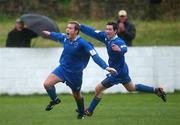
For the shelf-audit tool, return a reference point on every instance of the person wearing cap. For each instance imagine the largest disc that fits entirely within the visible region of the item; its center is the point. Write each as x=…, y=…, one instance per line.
x=126, y=30
x=20, y=36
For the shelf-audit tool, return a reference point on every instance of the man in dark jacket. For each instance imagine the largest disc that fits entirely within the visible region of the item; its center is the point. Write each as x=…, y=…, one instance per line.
x=126, y=30
x=20, y=36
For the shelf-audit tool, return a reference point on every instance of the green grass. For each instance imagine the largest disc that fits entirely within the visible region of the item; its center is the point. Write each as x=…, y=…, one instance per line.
x=114, y=109
x=155, y=33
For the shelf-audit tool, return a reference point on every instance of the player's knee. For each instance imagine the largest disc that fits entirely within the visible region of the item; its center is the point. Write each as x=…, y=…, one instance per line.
x=77, y=96
x=46, y=85
x=98, y=91
x=130, y=89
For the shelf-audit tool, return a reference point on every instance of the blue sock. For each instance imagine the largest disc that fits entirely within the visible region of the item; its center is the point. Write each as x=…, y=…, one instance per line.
x=52, y=93
x=80, y=105
x=93, y=104
x=144, y=88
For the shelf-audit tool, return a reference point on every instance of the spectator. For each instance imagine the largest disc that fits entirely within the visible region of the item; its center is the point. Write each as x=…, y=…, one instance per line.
x=20, y=36
x=126, y=30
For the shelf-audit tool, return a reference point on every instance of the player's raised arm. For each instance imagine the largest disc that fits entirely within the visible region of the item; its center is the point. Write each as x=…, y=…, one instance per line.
x=97, y=34
x=54, y=36
x=97, y=59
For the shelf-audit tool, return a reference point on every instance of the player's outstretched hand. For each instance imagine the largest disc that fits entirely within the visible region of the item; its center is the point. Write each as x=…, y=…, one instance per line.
x=111, y=70
x=46, y=33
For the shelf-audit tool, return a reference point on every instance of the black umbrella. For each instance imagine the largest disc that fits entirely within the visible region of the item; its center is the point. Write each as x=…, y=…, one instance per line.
x=38, y=23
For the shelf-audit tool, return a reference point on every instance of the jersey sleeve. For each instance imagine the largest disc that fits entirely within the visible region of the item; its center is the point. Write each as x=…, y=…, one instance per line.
x=95, y=56
x=58, y=37
x=96, y=34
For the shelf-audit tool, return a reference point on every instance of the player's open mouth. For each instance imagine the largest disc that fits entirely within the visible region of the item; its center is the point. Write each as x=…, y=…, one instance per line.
x=67, y=34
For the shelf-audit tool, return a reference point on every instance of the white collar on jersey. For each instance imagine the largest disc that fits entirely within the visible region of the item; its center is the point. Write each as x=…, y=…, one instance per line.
x=113, y=38
x=77, y=37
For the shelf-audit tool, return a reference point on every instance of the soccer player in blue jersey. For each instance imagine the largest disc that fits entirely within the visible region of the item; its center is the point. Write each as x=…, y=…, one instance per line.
x=116, y=49
x=73, y=60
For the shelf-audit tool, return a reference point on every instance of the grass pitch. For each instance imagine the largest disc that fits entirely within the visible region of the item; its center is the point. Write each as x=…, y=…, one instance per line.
x=114, y=109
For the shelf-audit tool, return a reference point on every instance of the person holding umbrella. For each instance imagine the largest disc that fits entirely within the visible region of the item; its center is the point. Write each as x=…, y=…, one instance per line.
x=20, y=36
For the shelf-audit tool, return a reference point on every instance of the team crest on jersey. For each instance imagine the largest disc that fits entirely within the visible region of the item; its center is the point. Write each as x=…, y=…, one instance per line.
x=75, y=44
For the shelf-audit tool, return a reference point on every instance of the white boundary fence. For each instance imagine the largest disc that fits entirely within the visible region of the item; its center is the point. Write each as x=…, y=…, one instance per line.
x=23, y=71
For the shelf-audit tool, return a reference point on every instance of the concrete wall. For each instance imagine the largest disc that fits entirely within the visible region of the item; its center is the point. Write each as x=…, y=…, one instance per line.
x=23, y=71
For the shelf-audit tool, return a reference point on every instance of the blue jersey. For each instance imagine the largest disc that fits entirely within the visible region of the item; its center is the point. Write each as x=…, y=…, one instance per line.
x=76, y=54
x=116, y=59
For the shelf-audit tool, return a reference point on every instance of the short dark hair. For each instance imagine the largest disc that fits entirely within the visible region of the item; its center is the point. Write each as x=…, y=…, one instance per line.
x=115, y=27
x=77, y=27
